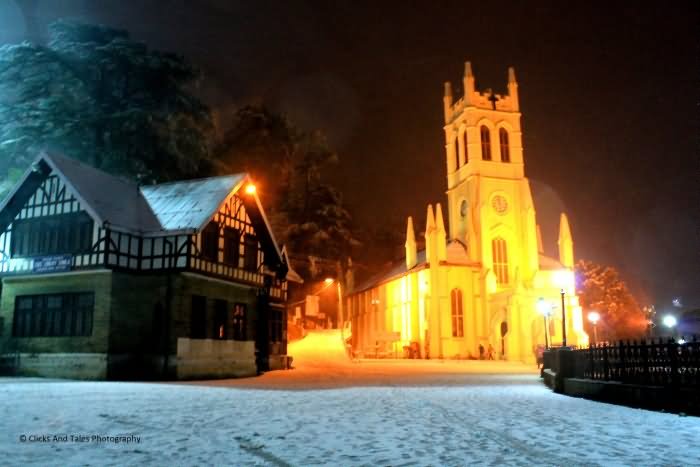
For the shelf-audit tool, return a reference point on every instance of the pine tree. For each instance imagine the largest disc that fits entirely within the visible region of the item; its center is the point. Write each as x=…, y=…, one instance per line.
x=96, y=95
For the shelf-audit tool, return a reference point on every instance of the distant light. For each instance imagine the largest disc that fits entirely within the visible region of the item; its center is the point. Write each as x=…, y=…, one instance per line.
x=250, y=189
x=677, y=302
x=594, y=317
x=681, y=341
x=543, y=307
x=563, y=278
x=670, y=321
x=328, y=281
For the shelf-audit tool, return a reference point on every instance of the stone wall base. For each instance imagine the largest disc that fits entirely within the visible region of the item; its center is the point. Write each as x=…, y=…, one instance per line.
x=56, y=365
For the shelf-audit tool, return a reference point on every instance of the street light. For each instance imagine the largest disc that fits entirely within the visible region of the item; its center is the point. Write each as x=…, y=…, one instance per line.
x=544, y=309
x=670, y=322
x=594, y=317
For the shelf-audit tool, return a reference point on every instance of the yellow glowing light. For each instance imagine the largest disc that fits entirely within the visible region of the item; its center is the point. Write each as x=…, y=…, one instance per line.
x=328, y=281
x=250, y=189
x=593, y=317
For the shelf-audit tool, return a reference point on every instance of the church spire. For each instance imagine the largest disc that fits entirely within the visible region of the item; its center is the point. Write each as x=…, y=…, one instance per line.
x=411, y=249
x=566, y=243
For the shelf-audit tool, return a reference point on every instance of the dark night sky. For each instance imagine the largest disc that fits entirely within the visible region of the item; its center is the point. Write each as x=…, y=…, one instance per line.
x=609, y=95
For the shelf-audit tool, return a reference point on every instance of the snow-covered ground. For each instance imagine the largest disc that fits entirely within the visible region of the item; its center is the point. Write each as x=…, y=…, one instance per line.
x=330, y=411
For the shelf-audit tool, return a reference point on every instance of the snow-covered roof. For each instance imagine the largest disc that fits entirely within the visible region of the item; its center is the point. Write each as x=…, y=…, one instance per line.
x=189, y=204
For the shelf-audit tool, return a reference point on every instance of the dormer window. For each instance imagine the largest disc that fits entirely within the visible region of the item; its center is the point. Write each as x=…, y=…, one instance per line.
x=485, y=143
x=505, y=149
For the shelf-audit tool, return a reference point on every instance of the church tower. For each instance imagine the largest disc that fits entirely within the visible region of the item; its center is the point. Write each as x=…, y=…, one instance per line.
x=490, y=206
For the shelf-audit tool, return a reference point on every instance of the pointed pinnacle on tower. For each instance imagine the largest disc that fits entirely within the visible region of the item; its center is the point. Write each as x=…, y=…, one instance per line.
x=511, y=75
x=513, y=89
x=430, y=221
x=468, y=82
x=566, y=243
x=468, y=69
x=411, y=249
x=430, y=245
x=440, y=234
x=447, y=101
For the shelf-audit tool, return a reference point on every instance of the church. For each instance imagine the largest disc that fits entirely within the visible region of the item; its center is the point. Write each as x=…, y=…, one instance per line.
x=483, y=288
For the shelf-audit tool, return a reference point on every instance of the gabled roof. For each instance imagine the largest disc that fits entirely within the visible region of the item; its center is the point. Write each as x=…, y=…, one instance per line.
x=156, y=209
x=188, y=205
x=108, y=198
x=392, y=271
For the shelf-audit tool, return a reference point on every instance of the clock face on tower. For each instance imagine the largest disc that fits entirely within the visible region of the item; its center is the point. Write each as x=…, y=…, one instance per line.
x=463, y=208
x=499, y=204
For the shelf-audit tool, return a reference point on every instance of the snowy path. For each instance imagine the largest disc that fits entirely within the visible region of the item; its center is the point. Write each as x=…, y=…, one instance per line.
x=428, y=413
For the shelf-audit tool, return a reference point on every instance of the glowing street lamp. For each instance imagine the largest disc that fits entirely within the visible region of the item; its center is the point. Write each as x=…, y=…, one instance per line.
x=594, y=317
x=670, y=321
x=250, y=189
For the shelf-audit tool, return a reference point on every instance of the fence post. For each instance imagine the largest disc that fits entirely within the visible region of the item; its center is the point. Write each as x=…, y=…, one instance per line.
x=673, y=356
x=605, y=362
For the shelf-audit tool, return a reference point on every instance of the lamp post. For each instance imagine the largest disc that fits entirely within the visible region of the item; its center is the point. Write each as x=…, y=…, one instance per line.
x=670, y=322
x=563, y=318
x=594, y=317
x=544, y=309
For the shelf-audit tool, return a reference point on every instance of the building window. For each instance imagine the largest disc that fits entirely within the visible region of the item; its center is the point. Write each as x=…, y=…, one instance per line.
x=232, y=244
x=457, y=313
x=457, y=152
x=55, y=315
x=220, y=321
x=210, y=242
x=466, y=146
x=505, y=149
x=485, y=143
x=250, y=252
x=198, y=317
x=500, y=260
x=52, y=235
x=239, y=322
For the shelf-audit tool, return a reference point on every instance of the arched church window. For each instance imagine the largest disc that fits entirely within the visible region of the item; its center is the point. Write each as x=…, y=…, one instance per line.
x=457, y=152
x=505, y=149
x=463, y=208
x=500, y=260
x=485, y=143
x=464, y=145
x=457, y=313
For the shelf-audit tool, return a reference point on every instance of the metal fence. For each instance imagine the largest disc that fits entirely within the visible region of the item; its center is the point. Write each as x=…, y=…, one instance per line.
x=660, y=363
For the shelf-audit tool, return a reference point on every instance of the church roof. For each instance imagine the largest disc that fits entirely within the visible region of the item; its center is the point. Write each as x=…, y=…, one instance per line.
x=392, y=271
x=547, y=263
x=456, y=255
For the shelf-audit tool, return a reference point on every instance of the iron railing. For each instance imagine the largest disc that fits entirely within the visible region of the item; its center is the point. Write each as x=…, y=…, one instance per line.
x=656, y=363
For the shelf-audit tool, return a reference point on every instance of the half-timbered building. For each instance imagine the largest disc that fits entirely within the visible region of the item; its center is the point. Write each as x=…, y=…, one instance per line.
x=102, y=278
